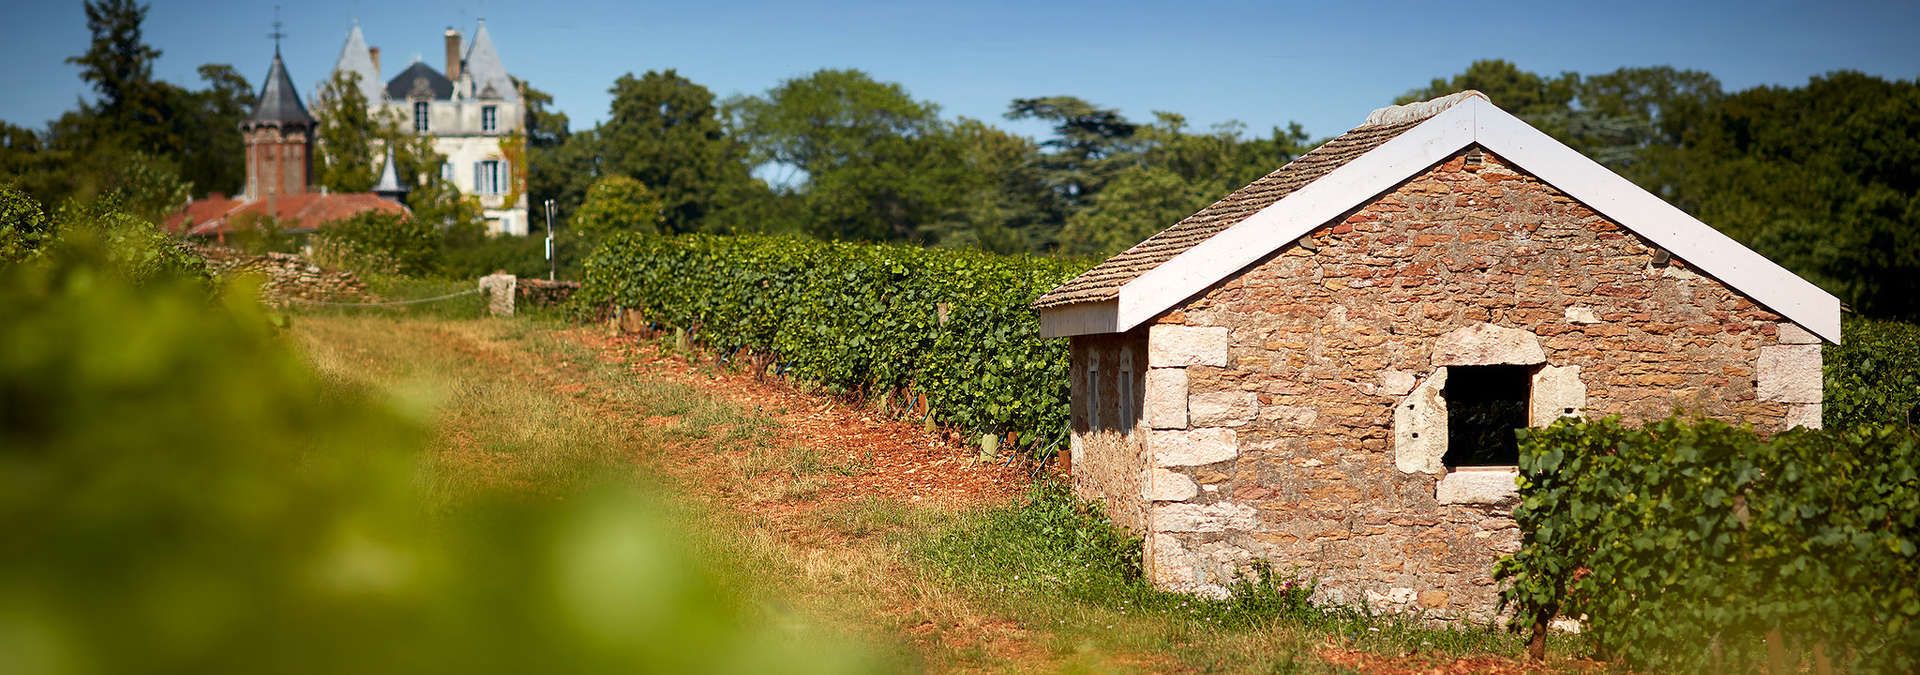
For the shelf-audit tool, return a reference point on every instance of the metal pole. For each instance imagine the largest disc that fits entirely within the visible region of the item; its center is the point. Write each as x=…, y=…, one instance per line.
x=553, y=264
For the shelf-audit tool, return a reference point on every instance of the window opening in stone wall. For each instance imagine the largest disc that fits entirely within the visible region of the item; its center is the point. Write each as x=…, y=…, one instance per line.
x=488, y=118
x=420, y=116
x=1485, y=406
x=1126, y=390
x=1093, y=391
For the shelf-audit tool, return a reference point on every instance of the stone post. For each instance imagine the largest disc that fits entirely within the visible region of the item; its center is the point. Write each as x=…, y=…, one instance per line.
x=499, y=289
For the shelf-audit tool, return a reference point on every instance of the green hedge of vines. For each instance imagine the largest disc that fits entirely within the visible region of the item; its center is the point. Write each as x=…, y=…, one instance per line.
x=1684, y=543
x=1873, y=376
x=860, y=318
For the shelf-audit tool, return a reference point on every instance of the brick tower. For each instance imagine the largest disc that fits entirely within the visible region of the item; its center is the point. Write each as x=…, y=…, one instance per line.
x=279, y=136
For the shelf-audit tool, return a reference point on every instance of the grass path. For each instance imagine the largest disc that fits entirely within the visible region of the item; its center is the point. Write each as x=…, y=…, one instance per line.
x=816, y=509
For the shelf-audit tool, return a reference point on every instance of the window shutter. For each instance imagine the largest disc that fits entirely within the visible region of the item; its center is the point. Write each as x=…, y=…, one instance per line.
x=477, y=167
x=506, y=179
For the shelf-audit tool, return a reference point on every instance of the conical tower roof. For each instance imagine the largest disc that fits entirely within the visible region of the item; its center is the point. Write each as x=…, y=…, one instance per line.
x=279, y=102
x=389, y=184
x=483, y=67
x=356, y=57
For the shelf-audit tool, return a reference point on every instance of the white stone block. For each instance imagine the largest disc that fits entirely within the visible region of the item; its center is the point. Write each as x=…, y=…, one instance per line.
x=1789, y=373
x=1223, y=408
x=1793, y=334
x=1197, y=447
x=1396, y=382
x=1174, y=346
x=1478, y=486
x=1420, y=427
x=1217, y=517
x=1169, y=486
x=1557, y=392
x=1484, y=344
x=1804, y=415
x=1166, y=398
x=1582, y=316
x=499, y=289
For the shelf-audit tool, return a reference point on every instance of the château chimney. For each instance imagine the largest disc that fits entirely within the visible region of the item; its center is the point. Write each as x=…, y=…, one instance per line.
x=453, y=54
x=374, y=53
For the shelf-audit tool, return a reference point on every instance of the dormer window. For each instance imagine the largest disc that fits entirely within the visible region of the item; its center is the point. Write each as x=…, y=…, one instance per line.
x=420, y=116
x=489, y=117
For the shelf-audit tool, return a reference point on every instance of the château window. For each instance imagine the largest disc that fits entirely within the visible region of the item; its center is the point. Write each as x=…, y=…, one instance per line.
x=489, y=118
x=489, y=177
x=420, y=116
x=1485, y=405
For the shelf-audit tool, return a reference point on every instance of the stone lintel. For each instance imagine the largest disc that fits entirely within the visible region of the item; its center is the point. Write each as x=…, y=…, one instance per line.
x=1484, y=344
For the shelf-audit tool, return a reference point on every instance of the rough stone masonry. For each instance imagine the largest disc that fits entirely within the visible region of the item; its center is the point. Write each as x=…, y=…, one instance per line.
x=1287, y=412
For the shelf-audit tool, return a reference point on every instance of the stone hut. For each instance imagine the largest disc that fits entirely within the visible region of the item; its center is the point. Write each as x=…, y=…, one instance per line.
x=1323, y=370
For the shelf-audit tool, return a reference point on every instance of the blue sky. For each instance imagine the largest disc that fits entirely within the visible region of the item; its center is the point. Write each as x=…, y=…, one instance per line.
x=1322, y=64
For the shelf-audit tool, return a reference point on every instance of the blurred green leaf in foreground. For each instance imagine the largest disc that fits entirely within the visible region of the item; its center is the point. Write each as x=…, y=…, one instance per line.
x=181, y=493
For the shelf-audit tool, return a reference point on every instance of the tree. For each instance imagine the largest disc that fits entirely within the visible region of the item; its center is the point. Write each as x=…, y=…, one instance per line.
x=344, y=150
x=615, y=204
x=873, y=162
x=118, y=63
x=213, y=157
x=563, y=164
x=664, y=131
x=1172, y=174
x=1086, y=137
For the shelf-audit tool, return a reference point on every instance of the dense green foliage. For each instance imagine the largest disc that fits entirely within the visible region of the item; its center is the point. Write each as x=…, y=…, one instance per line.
x=616, y=204
x=1681, y=544
x=1873, y=375
x=876, y=320
x=132, y=249
x=380, y=243
x=182, y=493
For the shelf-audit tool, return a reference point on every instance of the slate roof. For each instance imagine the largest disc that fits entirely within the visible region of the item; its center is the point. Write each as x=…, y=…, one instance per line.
x=1103, y=282
x=279, y=103
x=482, y=65
x=422, y=79
x=356, y=57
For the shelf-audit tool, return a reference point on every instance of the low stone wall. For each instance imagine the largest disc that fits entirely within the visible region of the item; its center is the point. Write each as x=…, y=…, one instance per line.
x=543, y=293
x=289, y=279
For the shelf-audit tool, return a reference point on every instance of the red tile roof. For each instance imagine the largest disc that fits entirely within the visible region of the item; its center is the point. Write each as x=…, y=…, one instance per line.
x=297, y=213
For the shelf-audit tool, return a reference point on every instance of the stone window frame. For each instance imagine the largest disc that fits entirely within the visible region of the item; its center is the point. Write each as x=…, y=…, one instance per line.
x=1124, y=377
x=489, y=118
x=1420, y=418
x=422, y=116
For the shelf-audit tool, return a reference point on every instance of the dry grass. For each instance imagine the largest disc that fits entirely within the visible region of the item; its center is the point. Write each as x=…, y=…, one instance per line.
x=809, y=509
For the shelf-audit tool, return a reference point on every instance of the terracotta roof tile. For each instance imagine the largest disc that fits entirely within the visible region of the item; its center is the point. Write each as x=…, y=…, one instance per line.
x=298, y=213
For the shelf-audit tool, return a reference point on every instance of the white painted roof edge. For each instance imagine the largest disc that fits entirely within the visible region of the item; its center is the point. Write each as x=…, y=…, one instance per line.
x=1468, y=120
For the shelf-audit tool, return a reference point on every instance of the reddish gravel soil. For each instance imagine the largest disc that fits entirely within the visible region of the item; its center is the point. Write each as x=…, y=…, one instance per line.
x=878, y=456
